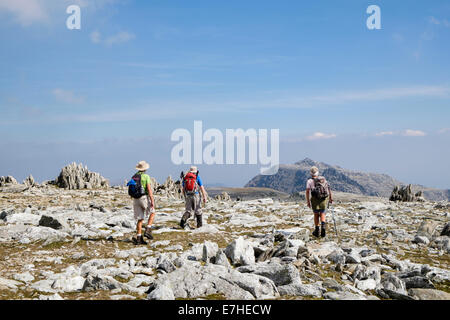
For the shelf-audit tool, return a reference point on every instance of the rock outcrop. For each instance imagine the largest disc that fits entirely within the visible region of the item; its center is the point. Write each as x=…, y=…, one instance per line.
x=223, y=197
x=170, y=188
x=7, y=180
x=75, y=176
x=405, y=194
x=29, y=181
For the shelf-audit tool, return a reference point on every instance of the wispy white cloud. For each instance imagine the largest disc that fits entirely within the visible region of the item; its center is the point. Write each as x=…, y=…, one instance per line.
x=120, y=37
x=444, y=130
x=256, y=101
x=95, y=37
x=283, y=100
x=405, y=133
x=439, y=22
x=385, y=94
x=25, y=12
x=398, y=37
x=66, y=96
x=320, y=136
x=384, y=133
x=413, y=133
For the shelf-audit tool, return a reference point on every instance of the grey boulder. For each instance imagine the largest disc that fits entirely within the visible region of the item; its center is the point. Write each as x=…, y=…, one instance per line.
x=194, y=281
x=240, y=252
x=280, y=274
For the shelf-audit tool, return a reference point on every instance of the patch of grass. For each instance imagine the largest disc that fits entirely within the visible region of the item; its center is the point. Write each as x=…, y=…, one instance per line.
x=443, y=286
x=54, y=245
x=120, y=279
x=425, y=258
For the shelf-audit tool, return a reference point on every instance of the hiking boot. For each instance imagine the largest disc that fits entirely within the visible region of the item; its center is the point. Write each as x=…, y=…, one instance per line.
x=139, y=240
x=316, y=232
x=322, y=230
x=199, y=221
x=148, y=233
x=184, y=220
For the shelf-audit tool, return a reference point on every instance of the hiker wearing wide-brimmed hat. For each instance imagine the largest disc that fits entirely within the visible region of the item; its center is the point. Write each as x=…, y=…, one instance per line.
x=192, y=184
x=318, y=193
x=140, y=189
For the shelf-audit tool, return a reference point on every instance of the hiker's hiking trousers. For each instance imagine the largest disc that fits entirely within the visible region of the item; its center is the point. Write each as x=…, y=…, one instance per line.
x=193, y=206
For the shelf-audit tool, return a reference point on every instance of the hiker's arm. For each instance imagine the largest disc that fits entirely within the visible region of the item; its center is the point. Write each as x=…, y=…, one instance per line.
x=204, y=194
x=150, y=194
x=308, y=202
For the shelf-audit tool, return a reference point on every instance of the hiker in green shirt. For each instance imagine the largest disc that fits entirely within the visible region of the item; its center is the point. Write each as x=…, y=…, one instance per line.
x=143, y=203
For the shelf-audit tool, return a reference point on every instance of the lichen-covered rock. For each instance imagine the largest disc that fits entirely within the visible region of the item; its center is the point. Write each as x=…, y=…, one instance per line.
x=75, y=176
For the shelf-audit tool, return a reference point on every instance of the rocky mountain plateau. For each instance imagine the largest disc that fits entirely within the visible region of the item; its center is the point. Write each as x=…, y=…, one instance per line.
x=71, y=239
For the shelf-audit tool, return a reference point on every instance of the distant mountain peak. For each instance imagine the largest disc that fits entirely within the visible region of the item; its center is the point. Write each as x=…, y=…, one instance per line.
x=307, y=162
x=292, y=178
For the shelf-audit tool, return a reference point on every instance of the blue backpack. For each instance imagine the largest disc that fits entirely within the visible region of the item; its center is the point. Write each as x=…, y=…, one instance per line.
x=135, y=189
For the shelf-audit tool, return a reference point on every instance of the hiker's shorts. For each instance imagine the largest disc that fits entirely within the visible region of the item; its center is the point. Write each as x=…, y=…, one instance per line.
x=142, y=207
x=193, y=205
x=319, y=206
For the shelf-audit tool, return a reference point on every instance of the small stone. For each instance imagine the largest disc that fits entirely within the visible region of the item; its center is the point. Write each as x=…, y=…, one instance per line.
x=421, y=240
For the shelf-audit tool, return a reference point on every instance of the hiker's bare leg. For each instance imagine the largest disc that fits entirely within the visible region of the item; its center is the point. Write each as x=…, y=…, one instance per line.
x=316, y=219
x=139, y=227
x=322, y=217
x=150, y=220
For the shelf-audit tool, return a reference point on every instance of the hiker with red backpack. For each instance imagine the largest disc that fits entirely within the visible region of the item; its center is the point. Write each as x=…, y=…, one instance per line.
x=139, y=188
x=318, y=193
x=192, y=184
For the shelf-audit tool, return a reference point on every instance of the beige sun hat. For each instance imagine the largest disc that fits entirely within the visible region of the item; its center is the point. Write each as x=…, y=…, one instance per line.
x=193, y=169
x=314, y=171
x=142, y=166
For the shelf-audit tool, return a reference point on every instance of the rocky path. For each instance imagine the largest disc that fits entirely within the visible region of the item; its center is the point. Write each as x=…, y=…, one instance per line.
x=75, y=244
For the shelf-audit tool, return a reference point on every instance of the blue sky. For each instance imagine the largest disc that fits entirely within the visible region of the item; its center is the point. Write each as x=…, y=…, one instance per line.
x=110, y=94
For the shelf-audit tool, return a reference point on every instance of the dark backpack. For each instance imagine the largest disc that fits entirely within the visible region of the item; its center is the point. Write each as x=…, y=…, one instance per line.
x=135, y=189
x=190, y=183
x=320, y=190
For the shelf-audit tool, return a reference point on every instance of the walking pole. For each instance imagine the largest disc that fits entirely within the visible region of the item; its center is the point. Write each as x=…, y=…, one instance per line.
x=334, y=221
